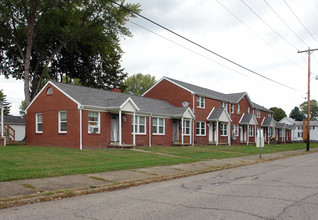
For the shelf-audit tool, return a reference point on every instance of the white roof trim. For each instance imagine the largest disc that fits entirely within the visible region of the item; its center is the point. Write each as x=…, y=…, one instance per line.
x=132, y=102
x=210, y=113
x=189, y=110
x=165, y=78
x=241, y=118
x=52, y=84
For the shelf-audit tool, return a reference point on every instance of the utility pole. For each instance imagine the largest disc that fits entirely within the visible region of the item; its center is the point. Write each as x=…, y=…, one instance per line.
x=309, y=51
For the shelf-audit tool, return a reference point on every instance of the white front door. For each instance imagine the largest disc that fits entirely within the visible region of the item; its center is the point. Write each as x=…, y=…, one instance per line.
x=210, y=132
x=114, y=136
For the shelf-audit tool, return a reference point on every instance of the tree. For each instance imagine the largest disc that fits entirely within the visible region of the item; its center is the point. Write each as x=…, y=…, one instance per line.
x=313, y=109
x=39, y=40
x=297, y=114
x=278, y=113
x=138, y=84
x=7, y=105
x=22, y=108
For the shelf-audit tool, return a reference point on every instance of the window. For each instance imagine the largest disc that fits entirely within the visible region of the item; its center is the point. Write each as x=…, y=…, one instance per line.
x=269, y=115
x=158, y=126
x=223, y=128
x=232, y=108
x=224, y=104
x=62, y=122
x=300, y=134
x=258, y=114
x=93, y=122
x=248, y=109
x=200, y=102
x=200, y=128
x=186, y=127
x=235, y=130
x=250, y=131
x=49, y=91
x=300, y=128
x=238, y=109
x=269, y=132
x=38, y=123
x=140, y=125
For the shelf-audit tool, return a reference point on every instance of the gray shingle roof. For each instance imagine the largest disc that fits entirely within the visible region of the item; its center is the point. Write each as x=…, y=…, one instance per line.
x=268, y=121
x=202, y=91
x=262, y=108
x=246, y=119
x=280, y=125
x=107, y=99
x=235, y=97
x=9, y=119
x=216, y=114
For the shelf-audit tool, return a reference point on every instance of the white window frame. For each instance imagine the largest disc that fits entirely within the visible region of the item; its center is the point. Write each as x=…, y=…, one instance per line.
x=200, y=125
x=258, y=114
x=224, y=105
x=60, y=122
x=200, y=102
x=235, y=130
x=92, y=127
x=156, y=124
x=238, y=109
x=232, y=108
x=248, y=109
x=37, y=122
x=223, y=129
x=138, y=124
x=251, y=131
x=186, y=127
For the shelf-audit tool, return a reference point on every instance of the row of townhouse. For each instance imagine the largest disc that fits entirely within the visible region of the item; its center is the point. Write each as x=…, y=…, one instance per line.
x=170, y=113
x=299, y=129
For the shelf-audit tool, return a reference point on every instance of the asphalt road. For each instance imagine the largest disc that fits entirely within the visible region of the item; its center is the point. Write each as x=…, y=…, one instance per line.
x=281, y=189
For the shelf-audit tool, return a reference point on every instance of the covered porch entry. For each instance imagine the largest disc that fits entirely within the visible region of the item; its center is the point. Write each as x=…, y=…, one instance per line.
x=248, y=124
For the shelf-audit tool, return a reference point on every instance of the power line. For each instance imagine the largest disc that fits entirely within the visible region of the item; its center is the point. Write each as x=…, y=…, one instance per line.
x=268, y=25
x=300, y=22
x=285, y=23
x=202, y=47
x=208, y=58
x=259, y=36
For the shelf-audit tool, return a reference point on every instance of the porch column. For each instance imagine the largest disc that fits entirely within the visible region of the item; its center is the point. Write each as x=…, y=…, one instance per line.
x=190, y=129
x=229, y=133
x=247, y=134
x=268, y=137
x=193, y=133
x=119, y=129
x=150, y=133
x=182, y=130
x=217, y=133
x=255, y=134
x=134, y=128
x=2, y=122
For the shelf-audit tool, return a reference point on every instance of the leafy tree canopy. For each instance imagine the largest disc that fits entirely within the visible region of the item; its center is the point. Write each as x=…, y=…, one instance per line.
x=278, y=113
x=313, y=109
x=7, y=105
x=42, y=40
x=138, y=84
x=297, y=114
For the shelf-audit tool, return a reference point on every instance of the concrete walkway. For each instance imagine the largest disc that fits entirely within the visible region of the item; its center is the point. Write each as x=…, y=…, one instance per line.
x=28, y=191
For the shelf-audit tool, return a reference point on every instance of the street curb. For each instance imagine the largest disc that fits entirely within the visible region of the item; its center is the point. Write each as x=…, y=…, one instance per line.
x=72, y=192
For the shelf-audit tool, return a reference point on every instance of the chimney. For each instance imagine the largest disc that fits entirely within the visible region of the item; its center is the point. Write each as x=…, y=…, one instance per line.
x=115, y=90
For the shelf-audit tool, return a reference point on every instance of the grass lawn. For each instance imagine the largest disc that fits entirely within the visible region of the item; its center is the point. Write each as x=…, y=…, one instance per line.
x=26, y=162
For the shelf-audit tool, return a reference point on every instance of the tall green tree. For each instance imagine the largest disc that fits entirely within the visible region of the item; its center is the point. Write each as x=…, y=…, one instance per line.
x=40, y=39
x=279, y=113
x=313, y=109
x=138, y=84
x=7, y=105
x=297, y=114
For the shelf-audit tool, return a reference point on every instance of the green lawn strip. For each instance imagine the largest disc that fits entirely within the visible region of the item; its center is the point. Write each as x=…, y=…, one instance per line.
x=26, y=162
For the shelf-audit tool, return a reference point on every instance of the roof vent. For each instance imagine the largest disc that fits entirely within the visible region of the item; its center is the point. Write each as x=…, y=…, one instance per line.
x=185, y=104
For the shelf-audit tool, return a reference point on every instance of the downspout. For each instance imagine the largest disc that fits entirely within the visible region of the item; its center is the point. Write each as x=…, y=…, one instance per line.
x=217, y=133
x=193, y=110
x=119, y=124
x=81, y=128
x=229, y=133
x=182, y=130
x=150, y=130
x=248, y=134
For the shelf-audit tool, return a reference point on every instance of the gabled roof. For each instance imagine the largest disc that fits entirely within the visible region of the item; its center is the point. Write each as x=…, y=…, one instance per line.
x=262, y=108
x=248, y=119
x=236, y=97
x=268, y=122
x=288, y=120
x=219, y=114
x=108, y=100
x=280, y=125
x=198, y=90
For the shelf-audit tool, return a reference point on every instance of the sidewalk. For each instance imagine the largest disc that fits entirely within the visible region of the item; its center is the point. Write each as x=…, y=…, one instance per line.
x=20, y=192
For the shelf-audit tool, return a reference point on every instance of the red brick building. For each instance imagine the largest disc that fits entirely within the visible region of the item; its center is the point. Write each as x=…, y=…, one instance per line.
x=67, y=115
x=219, y=118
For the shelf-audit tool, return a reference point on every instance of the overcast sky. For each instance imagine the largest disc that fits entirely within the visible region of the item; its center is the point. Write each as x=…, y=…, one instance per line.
x=259, y=40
